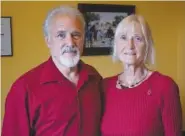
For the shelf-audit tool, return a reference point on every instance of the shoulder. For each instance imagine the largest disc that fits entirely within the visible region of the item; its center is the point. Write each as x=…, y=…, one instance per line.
x=33, y=74
x=109, y=82
x=29, y=77
x=92, y=71
x=165, y=83
x=165, y=80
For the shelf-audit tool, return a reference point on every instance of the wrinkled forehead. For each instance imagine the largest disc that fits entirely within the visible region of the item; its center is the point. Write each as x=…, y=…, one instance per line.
x=130, y=28
x=66, y=22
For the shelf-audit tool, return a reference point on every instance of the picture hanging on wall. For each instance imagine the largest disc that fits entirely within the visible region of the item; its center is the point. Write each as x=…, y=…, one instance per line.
x=6, y=36
x=101, y=21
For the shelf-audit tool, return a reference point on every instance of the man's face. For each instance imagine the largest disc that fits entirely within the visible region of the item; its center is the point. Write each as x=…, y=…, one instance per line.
x=65, y=39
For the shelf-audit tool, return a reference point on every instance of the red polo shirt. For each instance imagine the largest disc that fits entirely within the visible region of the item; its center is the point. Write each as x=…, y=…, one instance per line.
x=43, y=102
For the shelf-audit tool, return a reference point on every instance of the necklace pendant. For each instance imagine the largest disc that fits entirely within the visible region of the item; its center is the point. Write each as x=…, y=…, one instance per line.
x=149, y=92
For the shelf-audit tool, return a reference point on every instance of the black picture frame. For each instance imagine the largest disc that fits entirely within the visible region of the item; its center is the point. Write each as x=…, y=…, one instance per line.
x=91, y=12
x=6, y=36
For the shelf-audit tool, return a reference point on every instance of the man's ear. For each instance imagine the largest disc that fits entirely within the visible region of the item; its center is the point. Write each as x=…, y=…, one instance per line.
x=47, y=40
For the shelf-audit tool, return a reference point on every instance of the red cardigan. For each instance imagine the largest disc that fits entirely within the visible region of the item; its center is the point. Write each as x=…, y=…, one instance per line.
x=151, y=109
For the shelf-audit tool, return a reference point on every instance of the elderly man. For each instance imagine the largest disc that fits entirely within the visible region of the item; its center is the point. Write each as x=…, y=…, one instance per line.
x=60, y=97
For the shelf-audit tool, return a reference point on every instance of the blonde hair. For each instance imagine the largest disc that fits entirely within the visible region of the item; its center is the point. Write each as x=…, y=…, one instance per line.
x=150, y=52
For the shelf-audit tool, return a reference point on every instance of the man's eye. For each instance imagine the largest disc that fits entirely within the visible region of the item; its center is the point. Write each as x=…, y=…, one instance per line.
x=61, y=35
x=76, y=35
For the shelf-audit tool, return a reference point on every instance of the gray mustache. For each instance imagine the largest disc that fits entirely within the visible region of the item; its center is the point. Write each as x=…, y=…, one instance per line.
x=69, y=49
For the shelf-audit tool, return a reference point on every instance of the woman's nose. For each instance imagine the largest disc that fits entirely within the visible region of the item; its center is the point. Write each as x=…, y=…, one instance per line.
x=131, y=44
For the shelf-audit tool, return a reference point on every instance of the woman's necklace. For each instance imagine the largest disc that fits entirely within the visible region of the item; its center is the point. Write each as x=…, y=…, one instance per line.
x=121, y=85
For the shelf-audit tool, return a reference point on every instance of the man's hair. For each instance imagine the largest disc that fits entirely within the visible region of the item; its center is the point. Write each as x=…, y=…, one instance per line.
x=62, y=10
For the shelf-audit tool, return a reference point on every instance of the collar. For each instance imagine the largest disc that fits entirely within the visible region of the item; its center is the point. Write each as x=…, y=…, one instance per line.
x=50, y=72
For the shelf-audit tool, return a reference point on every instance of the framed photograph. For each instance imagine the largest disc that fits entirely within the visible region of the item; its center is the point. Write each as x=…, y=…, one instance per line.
x=6, y=36
x=101, y=21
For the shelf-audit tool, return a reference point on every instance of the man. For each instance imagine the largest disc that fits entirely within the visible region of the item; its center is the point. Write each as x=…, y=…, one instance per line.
x=60, y=97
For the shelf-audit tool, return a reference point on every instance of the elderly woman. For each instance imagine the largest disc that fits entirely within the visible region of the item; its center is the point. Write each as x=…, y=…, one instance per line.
x=139, y=101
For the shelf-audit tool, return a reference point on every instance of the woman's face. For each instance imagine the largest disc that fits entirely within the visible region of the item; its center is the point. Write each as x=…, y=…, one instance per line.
x=130, y=44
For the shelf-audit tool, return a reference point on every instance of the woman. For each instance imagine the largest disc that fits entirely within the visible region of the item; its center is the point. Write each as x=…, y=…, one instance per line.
x=139, y=101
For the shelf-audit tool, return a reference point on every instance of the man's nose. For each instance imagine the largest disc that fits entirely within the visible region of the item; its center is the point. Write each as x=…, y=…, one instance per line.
x=70, y=40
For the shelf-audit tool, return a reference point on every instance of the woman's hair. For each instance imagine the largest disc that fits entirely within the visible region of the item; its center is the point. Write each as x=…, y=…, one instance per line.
x=150, y=52
x=62, y=10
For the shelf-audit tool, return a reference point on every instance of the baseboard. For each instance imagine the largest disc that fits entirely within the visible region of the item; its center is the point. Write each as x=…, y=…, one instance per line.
x=183, y=133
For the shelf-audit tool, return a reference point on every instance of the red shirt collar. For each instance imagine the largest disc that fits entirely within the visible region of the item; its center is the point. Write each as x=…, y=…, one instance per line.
x=50, y=72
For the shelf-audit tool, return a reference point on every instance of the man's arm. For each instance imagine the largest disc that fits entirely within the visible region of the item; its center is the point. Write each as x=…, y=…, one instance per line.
x=16, y=119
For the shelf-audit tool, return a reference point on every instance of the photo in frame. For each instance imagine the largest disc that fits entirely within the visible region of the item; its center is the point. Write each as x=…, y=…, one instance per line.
x=6, y=36
x=101, y=22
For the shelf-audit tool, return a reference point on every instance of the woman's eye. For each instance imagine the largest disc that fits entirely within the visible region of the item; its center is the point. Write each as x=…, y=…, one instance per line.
x=138, y=38
x=123, y=37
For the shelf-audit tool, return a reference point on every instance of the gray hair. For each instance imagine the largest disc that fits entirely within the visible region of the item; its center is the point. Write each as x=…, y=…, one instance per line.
x=150, y=52
x=63, y=10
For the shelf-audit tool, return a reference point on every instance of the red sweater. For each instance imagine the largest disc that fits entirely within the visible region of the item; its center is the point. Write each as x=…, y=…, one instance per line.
x=151, y=109
x=43, y=102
